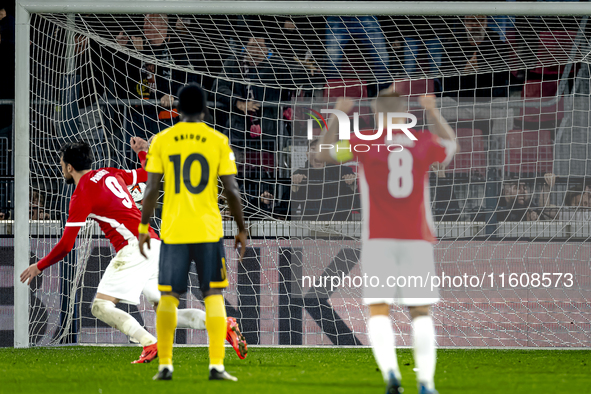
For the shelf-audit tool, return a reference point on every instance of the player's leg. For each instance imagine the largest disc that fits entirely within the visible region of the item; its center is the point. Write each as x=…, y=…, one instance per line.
x=377, y=260
x=104, y=308
x=383, y=345
x=122, y=282
x=424, y=347
x=173, y=272
x=211, y=271
x=195, y=318
x=417, y=260
x=186, y=318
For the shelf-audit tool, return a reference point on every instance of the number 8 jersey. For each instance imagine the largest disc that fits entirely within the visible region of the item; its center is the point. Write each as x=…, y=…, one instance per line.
x=103, y=196
x=191, y=155
x=394, y=184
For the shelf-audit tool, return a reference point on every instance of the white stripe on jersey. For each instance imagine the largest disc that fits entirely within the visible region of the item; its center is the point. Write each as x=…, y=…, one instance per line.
x=427, y=201
x=450, y=150
x=75, y=224
x=134, y=173
x=120, y=228
x=364, y=192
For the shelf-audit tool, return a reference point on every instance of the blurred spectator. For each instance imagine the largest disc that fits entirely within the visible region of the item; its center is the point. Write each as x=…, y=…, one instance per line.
x=90, y=66
x=266, y=205
x=323, y=192
x=37, y=207
x=517, y=201
x=294, y=46
x=243, y=90
x=147, y=80
x=195, y=47
x=472, y=53
x=577, y=197
x=413, y=36
x=364, y=30
x=577, y=203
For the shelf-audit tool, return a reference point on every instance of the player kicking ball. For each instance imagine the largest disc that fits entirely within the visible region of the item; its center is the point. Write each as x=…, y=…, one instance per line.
x=398, y=232
x=103, y=196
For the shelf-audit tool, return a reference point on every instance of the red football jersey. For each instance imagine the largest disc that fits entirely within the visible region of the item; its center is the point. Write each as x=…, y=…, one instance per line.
x=395, y=186
x=103, y=196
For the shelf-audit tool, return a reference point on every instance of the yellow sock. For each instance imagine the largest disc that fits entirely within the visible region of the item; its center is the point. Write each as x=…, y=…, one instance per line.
x=165, y=327
x=215, y=323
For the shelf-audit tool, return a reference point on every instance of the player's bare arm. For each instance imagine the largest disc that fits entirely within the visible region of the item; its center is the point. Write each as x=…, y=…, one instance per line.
x=139, y=144
x=331, y=136
x=150, y=199
x=233, y=198
x=438, y=125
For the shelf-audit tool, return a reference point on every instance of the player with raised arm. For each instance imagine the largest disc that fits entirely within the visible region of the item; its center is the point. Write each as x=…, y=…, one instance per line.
x=190, y=156
x=103, y=196
x=398, y=233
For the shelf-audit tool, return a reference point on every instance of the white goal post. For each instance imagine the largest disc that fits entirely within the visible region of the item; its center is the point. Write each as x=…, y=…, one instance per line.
x=25, y=8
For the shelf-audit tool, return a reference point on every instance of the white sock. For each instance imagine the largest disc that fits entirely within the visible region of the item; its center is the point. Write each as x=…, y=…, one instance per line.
x=219, y=368
x=381, y=337
x=424, y=350
x=191, y=318
x=162, y=366
x=124, y=322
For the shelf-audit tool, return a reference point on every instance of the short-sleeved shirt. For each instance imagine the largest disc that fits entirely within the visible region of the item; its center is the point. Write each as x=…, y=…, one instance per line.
x=191, y=155
x=394, y=185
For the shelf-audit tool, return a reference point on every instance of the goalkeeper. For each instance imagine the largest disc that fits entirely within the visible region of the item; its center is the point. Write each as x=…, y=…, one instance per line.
x=190, y=156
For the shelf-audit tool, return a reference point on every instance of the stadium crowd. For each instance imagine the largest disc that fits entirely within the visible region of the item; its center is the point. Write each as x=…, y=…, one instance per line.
x=252, y=67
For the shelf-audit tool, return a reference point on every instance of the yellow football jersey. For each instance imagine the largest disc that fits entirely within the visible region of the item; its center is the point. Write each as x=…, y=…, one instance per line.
x=191, y=155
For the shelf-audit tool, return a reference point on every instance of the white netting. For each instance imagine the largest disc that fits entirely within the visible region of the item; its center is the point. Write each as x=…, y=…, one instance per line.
x=516, y=89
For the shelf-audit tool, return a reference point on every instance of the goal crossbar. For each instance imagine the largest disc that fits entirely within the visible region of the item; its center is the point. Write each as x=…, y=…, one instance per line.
x=312, y=7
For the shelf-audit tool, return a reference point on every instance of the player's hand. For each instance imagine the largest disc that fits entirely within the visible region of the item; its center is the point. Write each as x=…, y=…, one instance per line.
x=344, y=104
x=349, y=179
x=550, y=179
x=138, y=43
x=144, y=239
x=248, y=106
x=167, y=100
x=472, y=64
x=240, y=239
x=139, y=144
x=28, y=274
x=428, y=101
x=296, y=179
x=266, y=198
x=122, y=39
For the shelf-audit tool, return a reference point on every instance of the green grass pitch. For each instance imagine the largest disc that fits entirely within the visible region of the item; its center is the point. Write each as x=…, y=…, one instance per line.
x=107, y=370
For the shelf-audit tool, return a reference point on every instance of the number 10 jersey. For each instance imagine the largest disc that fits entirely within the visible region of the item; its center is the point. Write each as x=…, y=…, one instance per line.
x=191, y=155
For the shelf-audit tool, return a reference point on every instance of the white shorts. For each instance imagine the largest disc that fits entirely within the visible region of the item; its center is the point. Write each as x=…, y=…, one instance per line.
x=129, y=274
x=404, y=269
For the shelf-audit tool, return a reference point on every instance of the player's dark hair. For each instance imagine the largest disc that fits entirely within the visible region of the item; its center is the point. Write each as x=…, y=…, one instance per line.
x=192, y=100
x=78, y=154
x=390, y=101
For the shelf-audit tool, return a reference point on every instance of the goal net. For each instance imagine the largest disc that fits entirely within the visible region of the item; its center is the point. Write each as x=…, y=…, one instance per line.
x=511, y=210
